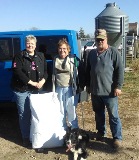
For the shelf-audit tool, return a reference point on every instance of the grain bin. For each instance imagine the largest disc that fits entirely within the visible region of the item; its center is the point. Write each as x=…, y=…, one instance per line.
x=115, y=22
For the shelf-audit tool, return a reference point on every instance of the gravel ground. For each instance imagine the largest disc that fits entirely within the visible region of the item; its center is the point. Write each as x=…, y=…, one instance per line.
x=11, y=146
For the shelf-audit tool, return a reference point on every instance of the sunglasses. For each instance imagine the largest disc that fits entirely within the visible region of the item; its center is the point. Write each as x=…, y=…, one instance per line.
x=99, y=39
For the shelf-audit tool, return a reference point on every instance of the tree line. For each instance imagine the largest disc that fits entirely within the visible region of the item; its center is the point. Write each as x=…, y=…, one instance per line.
x=81, y=34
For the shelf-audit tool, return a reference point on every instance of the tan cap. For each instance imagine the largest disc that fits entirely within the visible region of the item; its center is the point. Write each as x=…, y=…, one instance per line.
x=100, y=33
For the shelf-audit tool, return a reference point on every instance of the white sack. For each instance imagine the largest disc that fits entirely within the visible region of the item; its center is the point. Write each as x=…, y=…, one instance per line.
x=46, y=124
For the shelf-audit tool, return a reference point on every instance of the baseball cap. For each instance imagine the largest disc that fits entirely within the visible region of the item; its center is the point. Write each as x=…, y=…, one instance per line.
x=100, y=33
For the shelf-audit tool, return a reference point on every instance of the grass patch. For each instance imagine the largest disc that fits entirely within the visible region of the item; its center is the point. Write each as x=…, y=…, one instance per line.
x=131, y=82
x=135, y=65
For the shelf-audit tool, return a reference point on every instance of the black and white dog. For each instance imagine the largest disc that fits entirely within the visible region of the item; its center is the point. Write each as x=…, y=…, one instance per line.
x=76, y=141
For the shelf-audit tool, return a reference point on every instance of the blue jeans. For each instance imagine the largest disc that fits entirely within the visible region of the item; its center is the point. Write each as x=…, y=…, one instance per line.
x=68, y=104
x=111, y=103
x=24, y=112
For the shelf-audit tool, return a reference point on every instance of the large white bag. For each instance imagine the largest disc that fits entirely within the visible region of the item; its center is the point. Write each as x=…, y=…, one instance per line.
x=46, y=124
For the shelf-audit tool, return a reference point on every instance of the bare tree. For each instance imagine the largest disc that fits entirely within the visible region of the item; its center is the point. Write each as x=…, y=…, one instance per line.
x=34, y=28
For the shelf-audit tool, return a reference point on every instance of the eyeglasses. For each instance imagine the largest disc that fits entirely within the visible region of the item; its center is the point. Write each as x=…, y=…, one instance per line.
x=99, y=39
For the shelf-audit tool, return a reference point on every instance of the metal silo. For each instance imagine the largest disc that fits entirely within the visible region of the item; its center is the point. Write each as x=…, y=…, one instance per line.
x=116, y=23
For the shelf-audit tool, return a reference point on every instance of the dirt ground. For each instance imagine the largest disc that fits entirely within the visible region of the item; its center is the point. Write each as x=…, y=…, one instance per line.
x=10, y=138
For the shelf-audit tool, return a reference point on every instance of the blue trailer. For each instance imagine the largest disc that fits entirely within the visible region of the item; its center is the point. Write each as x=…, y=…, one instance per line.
x=13, y=42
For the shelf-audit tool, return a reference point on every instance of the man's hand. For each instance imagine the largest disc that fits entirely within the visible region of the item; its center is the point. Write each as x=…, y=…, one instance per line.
x=117, y=92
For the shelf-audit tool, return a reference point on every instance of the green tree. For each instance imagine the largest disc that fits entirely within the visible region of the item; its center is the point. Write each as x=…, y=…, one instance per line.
x=81, y=33
x=87, y=36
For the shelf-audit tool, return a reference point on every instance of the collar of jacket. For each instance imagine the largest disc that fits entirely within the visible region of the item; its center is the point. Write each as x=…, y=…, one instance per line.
x=26, y=54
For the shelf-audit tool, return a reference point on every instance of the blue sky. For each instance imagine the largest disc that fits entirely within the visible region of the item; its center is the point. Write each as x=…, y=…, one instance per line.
x=59, y=14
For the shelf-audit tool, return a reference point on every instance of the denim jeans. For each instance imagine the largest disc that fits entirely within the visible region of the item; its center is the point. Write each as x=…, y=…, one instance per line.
x=68, y=104
x=111, y=103
x=24, y=112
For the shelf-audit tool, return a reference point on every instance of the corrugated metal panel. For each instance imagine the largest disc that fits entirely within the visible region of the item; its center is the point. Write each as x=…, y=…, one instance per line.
x=112, y=24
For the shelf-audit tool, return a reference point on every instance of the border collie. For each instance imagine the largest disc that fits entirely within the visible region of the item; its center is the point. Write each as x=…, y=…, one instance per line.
x=76, y=141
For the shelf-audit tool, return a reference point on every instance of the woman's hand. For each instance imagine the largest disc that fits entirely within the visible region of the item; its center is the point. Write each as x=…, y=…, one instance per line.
x=33, y=83
x=40, y=83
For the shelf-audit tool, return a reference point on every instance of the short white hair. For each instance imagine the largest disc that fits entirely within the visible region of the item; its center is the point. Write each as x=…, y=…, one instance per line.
x=31, y=37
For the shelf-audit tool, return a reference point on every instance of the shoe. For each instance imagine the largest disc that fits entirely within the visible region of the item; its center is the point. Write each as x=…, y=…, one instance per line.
x=100, y=136
x=26, y=142
x=117, y=143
